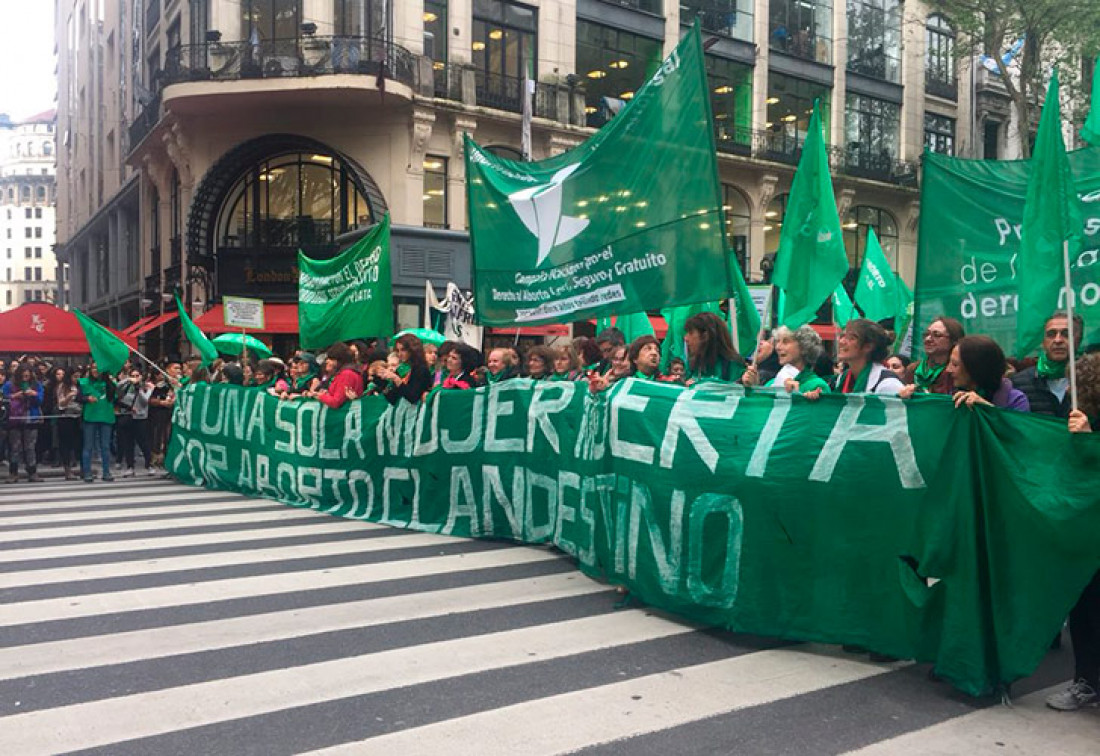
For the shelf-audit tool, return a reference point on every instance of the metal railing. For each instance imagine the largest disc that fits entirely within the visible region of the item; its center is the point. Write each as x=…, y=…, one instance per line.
x=296, y=57
x=144, y=122
x=175, y=250
x=933, y=85
x=649, y=6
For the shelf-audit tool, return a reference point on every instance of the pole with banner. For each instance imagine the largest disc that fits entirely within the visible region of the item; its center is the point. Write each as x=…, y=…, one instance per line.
x=243, y=313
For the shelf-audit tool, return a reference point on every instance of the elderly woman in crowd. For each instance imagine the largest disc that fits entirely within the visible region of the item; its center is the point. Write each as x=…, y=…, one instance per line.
x=462, y=361
x=798, y=351
x=645, y=358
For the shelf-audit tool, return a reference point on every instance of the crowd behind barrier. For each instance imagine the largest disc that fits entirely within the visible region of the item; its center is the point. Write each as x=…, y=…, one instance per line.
x=69, y=416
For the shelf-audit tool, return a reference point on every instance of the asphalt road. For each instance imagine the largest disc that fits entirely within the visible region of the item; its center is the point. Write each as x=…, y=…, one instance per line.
x=146, y=617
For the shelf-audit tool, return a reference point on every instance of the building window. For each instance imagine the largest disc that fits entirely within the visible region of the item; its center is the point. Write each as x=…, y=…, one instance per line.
x=26, y=274
x=874, y=38
x=26, y=295
x=736, y=209
x=614, y=64
x=991, y=140
x=361, y=18
x=939, y=133
x=773, y=226
x=940, y=76
x=268, y=20
x=26, y=253
x=730, y=18
x=731, y=101
x=38, y=212
x=9, y=290
x=37, y=274
x=435, y=32
x=28, y=212
x=504, y=46
x=25, y=193
x=435, y=191
x=38, y=232
x=28, y=232
x=38, y=253
x=790, y=105
x=292, y=200
x=803, y=28
x=872, y=136
x=855, y=225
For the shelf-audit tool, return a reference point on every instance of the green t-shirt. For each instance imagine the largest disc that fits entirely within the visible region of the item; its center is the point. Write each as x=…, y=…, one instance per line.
x=101, y=410
x=723, y=370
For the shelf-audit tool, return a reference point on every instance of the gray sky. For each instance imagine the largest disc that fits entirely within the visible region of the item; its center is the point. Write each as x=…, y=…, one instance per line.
x=27, y=82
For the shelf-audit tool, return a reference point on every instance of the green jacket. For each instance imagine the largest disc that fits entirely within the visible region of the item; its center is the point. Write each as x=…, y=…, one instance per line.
x=102, y=410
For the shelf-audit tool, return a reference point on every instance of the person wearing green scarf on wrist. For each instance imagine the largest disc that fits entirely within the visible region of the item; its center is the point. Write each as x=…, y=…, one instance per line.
x=798, y=350
x=930, y=376
x=1047, y=384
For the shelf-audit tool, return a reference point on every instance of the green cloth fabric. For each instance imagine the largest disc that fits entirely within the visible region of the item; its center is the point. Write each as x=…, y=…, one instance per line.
x=876, y=290
x=101, y=410
x=810, y=260
x=1090, y=132
x=843, y=309
x=198, y=339
x=807, y=381
x=926, y=375
x=859, y=386
x=1052, y=217
x=1048, y=368
x=109, y=351
x=643, y=377
x=723, y=370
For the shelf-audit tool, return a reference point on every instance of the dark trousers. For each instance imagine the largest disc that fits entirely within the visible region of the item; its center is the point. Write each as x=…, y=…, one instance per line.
x=131, y=432
x=68, y=441
x=1084, y=630
x=160, y=423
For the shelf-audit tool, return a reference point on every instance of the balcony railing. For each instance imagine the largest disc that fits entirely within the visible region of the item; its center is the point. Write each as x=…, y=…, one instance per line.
x=145, y=121
x=175, y=251
x=948, y=90
x=649, y=6
x=283, y=58
x=172, y=276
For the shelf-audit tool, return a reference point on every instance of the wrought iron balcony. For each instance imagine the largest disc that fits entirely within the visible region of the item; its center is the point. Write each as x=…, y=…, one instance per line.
x=173, y=274
x=295, y=57
x=145, y=121
x=938, y=87
x=649, y=6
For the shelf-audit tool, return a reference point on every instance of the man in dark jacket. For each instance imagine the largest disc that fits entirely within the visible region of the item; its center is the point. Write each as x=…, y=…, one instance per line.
x=1047, y=384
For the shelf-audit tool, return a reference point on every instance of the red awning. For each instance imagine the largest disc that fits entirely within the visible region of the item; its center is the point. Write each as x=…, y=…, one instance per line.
x=556, y=329
x=144, y=326
x=128, y=330
x=40, y=328
x=278, y=318
x=827, y=331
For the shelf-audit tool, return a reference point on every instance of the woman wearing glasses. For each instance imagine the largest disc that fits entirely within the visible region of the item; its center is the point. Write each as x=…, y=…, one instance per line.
x=930, y=376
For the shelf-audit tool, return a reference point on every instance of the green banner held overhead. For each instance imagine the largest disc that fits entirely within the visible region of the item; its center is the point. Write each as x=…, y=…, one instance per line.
x=876, y=290
x=628, y=221
x=735, y=508
x=109, y=351
x=349, y=296
x=1052, y=217
x=968, y=262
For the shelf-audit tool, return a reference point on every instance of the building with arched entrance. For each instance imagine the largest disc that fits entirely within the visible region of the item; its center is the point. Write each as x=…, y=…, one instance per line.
x=229, y=134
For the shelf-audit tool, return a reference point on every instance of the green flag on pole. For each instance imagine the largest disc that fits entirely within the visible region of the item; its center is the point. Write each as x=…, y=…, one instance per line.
x=194, y=334
x=1090, y=132
x=634, y=325
x=843, y=309
x=745, y=317
x=876, y=292
x=109, y=351
x=1052, y=216
x=629, y=220
x=810, y=261
x=349, y=296
x=903, y=324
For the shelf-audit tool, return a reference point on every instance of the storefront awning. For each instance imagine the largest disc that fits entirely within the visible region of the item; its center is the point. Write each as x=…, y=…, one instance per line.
x=40, y=328
x=557, y=329
x=148, y=324
x=278, y=318
x=137, y=324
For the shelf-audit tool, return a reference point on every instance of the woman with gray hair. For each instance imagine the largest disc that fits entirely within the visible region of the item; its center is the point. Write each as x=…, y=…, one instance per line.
x=798, y=350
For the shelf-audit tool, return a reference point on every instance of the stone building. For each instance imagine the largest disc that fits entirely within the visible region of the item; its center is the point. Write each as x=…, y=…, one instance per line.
x=202, y=143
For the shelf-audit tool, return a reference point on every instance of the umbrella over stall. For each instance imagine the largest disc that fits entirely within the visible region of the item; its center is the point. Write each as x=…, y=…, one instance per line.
x=236, y=343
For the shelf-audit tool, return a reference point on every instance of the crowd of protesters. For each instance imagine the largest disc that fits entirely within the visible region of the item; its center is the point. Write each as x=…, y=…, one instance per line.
x=68, y=416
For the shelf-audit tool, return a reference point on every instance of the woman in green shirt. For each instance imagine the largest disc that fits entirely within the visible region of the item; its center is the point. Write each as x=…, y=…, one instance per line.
x=798, y=350
x=711, y=353
x=97, y=394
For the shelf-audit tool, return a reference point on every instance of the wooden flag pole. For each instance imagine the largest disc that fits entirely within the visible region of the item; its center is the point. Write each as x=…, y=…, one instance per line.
x=1072, y=335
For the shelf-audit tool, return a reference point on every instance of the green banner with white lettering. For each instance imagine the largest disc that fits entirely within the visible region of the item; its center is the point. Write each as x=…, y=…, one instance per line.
x=743, y=509
x=971, y=215
x=349, y=296
x=631, y=220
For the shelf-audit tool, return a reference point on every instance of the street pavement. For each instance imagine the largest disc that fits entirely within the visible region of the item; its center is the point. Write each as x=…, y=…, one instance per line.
x=147, y=617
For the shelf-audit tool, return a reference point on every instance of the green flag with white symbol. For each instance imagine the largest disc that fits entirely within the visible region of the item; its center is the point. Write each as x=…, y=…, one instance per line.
x=876, y=292
x=843, y=309
x=630, y=220
x=810, y=261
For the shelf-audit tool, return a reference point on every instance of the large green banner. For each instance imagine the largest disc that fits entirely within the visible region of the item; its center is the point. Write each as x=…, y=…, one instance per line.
x=968, y=257
x=910, y=528
x=349, y=296
x=628, y=221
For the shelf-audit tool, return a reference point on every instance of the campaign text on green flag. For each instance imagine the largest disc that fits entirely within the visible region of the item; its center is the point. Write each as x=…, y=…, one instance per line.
x=876, y=290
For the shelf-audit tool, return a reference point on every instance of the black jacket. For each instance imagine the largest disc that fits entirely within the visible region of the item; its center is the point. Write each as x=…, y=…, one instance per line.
x=1039, y=395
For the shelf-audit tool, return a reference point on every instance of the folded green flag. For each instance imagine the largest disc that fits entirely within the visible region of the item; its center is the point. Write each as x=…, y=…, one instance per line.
x=876, y=292
x=903, y=325
x=810, y=261
x=198, y=339
x=109, y=351
x=1052, y=216
x=843, y=309
x=634, y=325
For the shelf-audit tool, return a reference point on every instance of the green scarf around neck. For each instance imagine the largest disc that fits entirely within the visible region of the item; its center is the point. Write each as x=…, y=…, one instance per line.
x=926, y=375
x=1050, y=369
x=860, y=384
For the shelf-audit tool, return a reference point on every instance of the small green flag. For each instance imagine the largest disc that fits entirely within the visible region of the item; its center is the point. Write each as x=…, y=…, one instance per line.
x=109, y=351
x=746, y=318
x=1090, y=132
x=634, y=325
x=1052, y=216
x=903, y=323
x=876, y=292
x=843, y=309
x=810, y=261
x=194, y=334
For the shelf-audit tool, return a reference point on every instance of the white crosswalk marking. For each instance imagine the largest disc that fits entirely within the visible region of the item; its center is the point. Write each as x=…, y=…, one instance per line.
x=138, y=619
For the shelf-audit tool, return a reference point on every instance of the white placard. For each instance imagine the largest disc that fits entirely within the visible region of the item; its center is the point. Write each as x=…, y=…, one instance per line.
x=241, y=312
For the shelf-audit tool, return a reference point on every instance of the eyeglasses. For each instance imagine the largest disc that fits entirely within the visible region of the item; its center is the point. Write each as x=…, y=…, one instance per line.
x=935, y=334
x=1053, y=333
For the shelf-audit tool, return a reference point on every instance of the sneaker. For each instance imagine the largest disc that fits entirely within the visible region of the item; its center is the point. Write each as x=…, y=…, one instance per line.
x=108, y=478
x=89, y=479
x=34, y=478
x=128, y=472
x=1078, y=694
x=12, y=479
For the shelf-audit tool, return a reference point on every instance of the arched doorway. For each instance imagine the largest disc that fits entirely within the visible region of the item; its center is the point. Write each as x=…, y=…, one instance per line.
x=266, y=199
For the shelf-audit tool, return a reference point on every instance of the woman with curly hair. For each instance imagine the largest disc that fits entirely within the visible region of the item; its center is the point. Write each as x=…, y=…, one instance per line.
x=540, y=362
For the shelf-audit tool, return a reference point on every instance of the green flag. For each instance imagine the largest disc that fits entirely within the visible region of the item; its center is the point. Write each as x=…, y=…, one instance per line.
x=1052, y=216
x=876, y=292
x=675, y=317
x=810, y=261
x=109, y=351
x=628, y=221
x=195, y=335
x=903, y=324
x=634, y=325
x=746, y=318
x=349, y=296
x=1090, y=132
x=843, y=309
